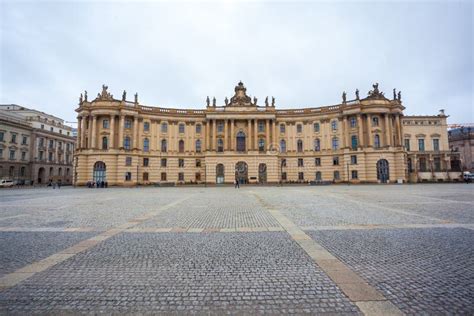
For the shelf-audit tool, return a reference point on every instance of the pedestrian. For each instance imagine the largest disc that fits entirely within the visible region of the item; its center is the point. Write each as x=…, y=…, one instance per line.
x=106, y=184
x=59, y=184
x=54, y=185
x=237, y=185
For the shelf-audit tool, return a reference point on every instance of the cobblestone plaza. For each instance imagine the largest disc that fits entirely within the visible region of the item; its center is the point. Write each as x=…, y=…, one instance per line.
x=343, y=249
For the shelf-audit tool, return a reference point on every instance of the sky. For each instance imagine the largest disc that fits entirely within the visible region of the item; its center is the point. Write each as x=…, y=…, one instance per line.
x=305, y=54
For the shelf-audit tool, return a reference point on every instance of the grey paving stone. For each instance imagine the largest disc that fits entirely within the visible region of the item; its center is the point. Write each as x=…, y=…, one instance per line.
x=171, y=272
x=429, y=271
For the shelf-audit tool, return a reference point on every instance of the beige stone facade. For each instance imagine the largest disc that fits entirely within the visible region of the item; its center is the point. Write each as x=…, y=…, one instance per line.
x=126, y=143
x=461, y=140
x=35, y=147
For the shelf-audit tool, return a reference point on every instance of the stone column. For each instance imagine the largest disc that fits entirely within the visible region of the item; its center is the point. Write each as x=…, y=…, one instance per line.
x=369, y=130
x=255, y=141
x=83, y=133
x=345, y=133
x=387, y=134
x=232, y=135
x=79, y=131
x=267, y=134
x=214, y=136
x=360, y=124
x=121, y=128
x=135, y=132
x=89, y=132
x=249, y=136
x=206, y=138
x=112, y=132
x=226, y=136
x=398, y=128
x=94, y=132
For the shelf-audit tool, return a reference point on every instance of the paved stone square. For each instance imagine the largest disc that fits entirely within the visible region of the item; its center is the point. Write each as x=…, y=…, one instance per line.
x=365, y=249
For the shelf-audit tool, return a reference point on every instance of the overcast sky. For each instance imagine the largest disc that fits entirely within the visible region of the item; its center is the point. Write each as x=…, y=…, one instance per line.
x=175, y=54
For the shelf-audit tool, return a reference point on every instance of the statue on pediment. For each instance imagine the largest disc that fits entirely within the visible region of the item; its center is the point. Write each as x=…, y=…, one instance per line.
x=399, y=95
x=80, y=99
x=255, y=100
x=394, y=93
x=344, y=96
x=357, y=94
x=376, y=94
x=104, y=95
x=136, y=98
x=273, y=101
x=266, y=101
x=208, y=101
x=214, y=101
x=226, y=101
x=240, y=97
x=124, y=95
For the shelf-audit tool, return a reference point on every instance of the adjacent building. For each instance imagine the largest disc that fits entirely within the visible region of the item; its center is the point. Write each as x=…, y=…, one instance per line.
x=461, y=140
x=35, y=147
x=361, y=140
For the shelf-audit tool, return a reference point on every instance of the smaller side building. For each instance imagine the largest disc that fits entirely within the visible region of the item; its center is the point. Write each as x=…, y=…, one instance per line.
x=461, y=140
x=35, y=147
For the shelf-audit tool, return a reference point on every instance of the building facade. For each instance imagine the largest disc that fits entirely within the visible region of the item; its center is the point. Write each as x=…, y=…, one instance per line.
x=360, y=140
x=35, y=147
x=461, y=140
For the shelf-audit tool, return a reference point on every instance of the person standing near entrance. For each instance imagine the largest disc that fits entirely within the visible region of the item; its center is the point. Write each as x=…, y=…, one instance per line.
x=237, y=185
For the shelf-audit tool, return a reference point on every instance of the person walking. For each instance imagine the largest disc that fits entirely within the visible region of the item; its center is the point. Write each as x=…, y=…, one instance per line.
x=237, y=184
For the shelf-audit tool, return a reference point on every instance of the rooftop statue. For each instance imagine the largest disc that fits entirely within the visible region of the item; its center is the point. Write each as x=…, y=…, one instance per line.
x=344, y=96
x=399, y=95
x=266, y=101
x=104, y=95
x=124, y=95
x=226, y=101
x=240, y=97
x=136, y=98
x=255, y=100
x=80, y=99
x=214, y=101
x=376, y=94
x=357, y=94
x=208, y=102
x=273, y=101
x=394, y=93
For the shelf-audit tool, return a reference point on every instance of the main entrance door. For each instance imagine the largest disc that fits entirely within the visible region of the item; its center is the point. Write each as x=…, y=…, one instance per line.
x=220, y=174
x=383, y=171
x=241, y=172
x=99, y=172
x=262, y=173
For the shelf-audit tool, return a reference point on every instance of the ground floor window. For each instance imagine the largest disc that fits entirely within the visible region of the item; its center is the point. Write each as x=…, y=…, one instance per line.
x=300, y=162
x=301, y=176
x=335, y=161
x=198, y=176
x=354, y=159
x=354, y=174
x=128, y=176
x=437, y=164
x=181, y=163
x=128, y=161
x=163, y=162
x=198, y=163
x=181, y=176
x=146, y=162
x=337, y=175
x=317, y=161
x=163, y=176
x=145, y=176
x=318, y=176
x=283, y=176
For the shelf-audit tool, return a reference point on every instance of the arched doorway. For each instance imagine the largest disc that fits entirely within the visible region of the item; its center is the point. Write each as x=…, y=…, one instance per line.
x=262, y=173
x=241, y=172
x=41, y=173
x=383, y=172
x=99, y=173
x=240, y=141
x=220, y=178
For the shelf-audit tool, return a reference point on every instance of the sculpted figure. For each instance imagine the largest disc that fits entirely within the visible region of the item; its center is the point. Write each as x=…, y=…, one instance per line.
x=376, y=88
x=357, y=94
x=226, y=101
x=266, y=101
x=80, y=99
x=273, y=101
x=394, y=94
x=136, y=98
x=255, y=100
x=399, y=95
x=214, y=101
x=124, y=95
x=85, y=95
x=344, y=97
x=208, y=102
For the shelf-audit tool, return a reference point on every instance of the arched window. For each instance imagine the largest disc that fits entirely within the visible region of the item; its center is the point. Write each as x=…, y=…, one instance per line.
x=198, y=146
x=164, y=146
x=299, y=145
x=335, y=143
x=375, y=121
x=318, y=176
x=126, y=143
x=240, y=141
x=376, y=141
x=317, y=144
x=220, y=145
x=282, y=146
x=181, y=146
x=261, y=145
x=334, y=125
x=146, y=145
x=104, y=142
x=354, y=142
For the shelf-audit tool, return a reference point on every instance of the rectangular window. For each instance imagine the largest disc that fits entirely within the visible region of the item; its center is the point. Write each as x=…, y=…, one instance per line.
x=198, y=128
x=421, y=144
x=282, y=128
x=128, y=176
x=220, y=127
x=437, y=164
x=146, y=126
x=163, y=162
x=50, y=157
x=145, y=176
x=163, y=176
x=436, y=144
x=317, y=161
x=105, y=123
x=299, y=128
x=12, y=154
x=23, y=155
x=354, y=174
x=261, y=126
x=146, y=162
x=60, y=145
x=128, y=123
x=128, y=161
x=13, y=138
x=283, y=162
x=181, y=128
x=42, y=126
x=181, y=163
x=41, y=155
x=198, y=176
x=283, y=176
x=354, y=159
x=1, y=153
x=335, y=161
x=181, y=176
x=51, y=129
x=407, y=144
x=316, y=127
x=2, y=135
x=301, y=176
x=164, y=128
x=300, y=162
x=51, y=143
x=24, y=140
x=198, y=163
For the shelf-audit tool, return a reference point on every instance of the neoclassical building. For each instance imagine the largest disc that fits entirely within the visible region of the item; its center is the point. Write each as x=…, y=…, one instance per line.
x=361, y=140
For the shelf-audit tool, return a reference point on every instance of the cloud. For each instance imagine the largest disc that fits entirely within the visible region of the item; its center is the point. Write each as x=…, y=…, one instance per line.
x=175, y=54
